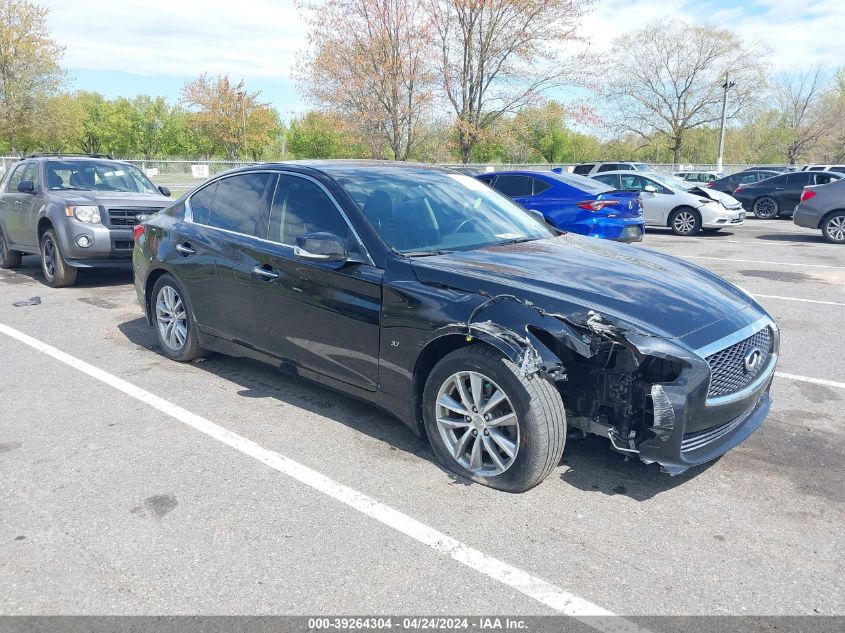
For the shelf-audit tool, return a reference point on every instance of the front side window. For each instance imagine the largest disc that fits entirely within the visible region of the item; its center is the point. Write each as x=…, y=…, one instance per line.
x=201, y=203
x=96, y=175
x=15, y=179
x=582, y=170
x=301, y=207
x=240, y=202
x=422, y=212
x=609, y=167
x=514, y=186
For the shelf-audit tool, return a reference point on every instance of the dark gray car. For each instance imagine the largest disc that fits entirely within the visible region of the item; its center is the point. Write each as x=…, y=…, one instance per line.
x=74, y=212
x=823, y=207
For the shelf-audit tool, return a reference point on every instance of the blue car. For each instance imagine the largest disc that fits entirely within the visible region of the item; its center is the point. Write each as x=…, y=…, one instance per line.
x=574, y=203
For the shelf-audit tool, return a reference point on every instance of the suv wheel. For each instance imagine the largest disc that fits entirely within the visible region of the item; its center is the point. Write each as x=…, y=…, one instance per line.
x=489, y=423
x=833, y=228
x=8, y=258
x=173, y=321
x=685, y=221
x=766, y=208
x=56, y=272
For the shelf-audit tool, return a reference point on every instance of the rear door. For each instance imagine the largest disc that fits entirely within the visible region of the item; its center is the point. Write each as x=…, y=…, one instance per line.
x=323, y=316
x=216, y=251
x=789, y=194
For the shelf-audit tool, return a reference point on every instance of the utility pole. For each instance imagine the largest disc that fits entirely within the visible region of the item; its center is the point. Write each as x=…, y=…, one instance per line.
x=725, y=87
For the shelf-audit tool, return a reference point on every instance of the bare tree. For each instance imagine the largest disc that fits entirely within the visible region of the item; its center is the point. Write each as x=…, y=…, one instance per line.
x=371, y=61
x=497, y=56
x=809, y=109
x=666, y=79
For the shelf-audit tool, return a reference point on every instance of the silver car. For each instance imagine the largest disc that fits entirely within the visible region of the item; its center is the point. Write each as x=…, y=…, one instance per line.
x=684, y=207
x=823, y=207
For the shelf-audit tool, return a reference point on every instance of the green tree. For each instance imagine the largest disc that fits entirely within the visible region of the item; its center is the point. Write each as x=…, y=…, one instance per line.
x=321, y=135
x=29, y=68
x=58, y=125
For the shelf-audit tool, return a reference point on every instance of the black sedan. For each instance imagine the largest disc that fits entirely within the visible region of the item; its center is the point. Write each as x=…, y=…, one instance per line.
x=433, y=296
x=778, y=196
x=728, y=184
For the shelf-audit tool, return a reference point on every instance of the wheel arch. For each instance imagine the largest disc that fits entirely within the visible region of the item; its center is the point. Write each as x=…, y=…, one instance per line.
x=44, y=225
x=152, y=277
x=824, y=218
x=681, y=207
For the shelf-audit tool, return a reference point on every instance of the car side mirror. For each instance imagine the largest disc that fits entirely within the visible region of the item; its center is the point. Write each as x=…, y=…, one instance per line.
x=26, y=186
x=323, y=247
x=650, y=189
x=164, y=190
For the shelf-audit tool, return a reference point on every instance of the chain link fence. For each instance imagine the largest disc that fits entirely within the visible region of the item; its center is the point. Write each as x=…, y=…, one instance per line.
x=181, y=176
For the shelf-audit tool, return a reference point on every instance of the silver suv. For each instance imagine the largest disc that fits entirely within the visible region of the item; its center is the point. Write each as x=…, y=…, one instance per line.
x=588, y=169
x=74, y=212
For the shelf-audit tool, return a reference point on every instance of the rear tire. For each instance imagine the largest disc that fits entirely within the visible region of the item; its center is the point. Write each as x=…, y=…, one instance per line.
x=9, y=259
x=173, y=321
x=527, y=427
x=57, y=274
x=833, y=227
x=766, y=208
x=685, y=221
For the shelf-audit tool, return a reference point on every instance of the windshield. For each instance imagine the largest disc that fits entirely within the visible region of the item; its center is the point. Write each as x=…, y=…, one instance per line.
x=424, y=212
x=672, y=182
x=96, y=175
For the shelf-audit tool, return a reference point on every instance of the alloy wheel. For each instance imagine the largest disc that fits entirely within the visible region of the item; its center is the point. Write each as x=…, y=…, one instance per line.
x=49, y=258
x=171, y=318
x=765, y=208
x=684, y=222
x=478, y=423
x=836, y=228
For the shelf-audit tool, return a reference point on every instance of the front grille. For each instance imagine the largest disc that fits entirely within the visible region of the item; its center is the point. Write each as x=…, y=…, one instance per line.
x=728, y=373
x=129, y=217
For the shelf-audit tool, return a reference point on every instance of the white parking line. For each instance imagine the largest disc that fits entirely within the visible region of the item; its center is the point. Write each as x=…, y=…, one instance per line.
x=815, y=381
x=827, y=303
x=755, y=261
x=560, y=600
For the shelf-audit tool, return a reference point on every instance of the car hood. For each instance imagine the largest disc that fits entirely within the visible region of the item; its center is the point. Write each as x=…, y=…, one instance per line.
x=727, y=200
x=643, y=290
x=114, y=198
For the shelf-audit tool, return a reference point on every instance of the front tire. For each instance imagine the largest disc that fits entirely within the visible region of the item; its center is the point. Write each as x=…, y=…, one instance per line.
x=766, y=208
x=9, y=259
x=833, y=227
x=685, y=221
x=57, y=273
x=489, y=423
x=173, y=321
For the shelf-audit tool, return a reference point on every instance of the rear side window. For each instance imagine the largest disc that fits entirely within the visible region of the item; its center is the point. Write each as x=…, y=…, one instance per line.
x=608, y=180
x=540, y=185
x=201, y=203
x=300, y=207
x=515, y=186
x=777, y=181
x=816, y=168
x=609, y=167
x=240, y=204
x=823, y=178
x=799, y=178
x=581, y=170
x=838, y=168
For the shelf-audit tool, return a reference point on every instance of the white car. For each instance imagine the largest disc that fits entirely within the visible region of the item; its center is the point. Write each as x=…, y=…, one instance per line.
x=699, y=176
x=684, y=207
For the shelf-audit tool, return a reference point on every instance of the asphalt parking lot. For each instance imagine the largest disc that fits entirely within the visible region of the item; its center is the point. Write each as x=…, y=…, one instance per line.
x=112, y=502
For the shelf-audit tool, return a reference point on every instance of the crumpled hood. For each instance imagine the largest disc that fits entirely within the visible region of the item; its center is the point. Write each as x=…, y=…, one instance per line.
x=727, y=200
x=570, y=274
x=113, y=198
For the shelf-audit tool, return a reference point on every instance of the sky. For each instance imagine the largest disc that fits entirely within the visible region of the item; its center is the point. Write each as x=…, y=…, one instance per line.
x=131, y=47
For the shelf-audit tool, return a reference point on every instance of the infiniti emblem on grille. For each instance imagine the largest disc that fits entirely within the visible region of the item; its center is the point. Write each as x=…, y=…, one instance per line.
x=753, y=359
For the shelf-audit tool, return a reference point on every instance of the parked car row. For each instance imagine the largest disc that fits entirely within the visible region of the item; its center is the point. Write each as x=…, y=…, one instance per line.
x=432, y=295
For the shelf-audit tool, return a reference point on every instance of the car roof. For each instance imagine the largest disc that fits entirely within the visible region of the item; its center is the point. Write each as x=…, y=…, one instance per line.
x=347, y=167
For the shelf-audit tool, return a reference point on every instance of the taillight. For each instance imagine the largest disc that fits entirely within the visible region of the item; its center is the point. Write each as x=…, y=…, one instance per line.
x=709, y=183
x=807, y=195
x=596, y=205
x=138, y=231
x=738, y=189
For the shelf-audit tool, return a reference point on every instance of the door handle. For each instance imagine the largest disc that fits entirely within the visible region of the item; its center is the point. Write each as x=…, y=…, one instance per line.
x=265, y=273
x=185, y=249
x=779, y=188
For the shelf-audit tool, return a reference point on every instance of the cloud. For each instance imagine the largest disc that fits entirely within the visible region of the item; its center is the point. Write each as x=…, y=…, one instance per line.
x=260, y=38
x=255, y=38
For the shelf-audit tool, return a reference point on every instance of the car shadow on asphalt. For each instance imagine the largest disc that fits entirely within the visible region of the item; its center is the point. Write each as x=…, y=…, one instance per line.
x=30, y=271
x=590, y=463
x=793, y=237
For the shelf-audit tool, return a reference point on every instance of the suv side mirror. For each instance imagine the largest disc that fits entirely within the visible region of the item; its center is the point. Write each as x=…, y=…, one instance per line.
x=650, y=189
x=26, y=186
x=323, y=247
x=164, y=190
